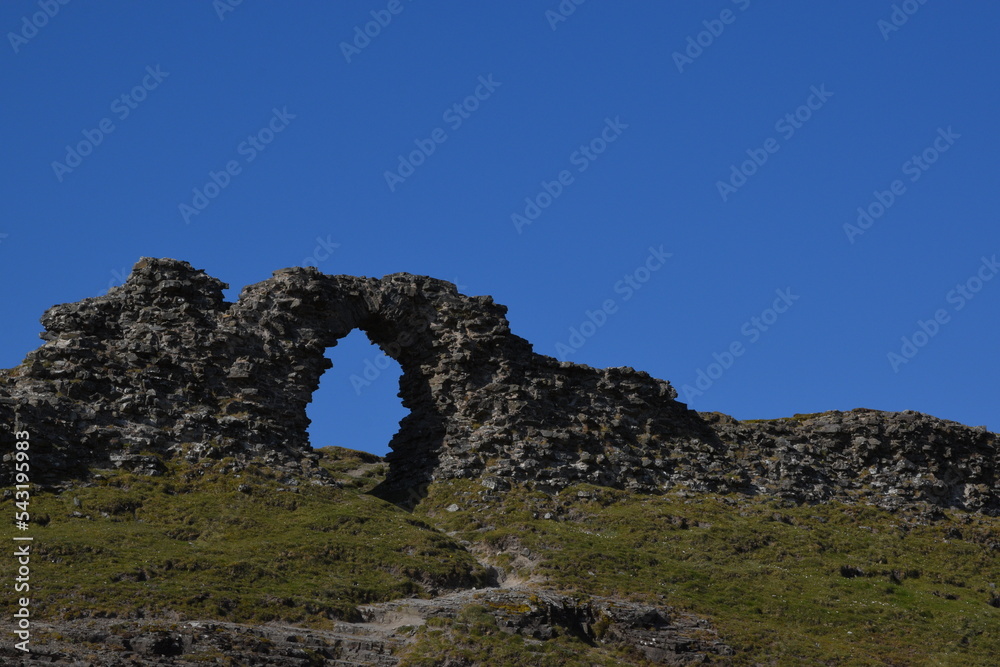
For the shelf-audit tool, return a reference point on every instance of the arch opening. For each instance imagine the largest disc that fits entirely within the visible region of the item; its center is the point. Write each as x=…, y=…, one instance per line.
x=357, y=404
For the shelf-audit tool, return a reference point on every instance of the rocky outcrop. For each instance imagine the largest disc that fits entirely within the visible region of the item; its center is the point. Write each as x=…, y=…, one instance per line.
x=121, y=643
x=163, y=367
x=660, y=635
x=890, y=458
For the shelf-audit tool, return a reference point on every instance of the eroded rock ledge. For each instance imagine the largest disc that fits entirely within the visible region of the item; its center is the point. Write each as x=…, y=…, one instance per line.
x=660, y=635
x=163, y=367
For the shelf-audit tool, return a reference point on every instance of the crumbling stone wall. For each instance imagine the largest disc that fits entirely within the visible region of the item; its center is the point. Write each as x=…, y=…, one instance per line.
x=162, y=366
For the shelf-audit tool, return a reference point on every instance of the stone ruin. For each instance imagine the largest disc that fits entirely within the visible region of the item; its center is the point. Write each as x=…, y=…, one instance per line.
x=163, y=367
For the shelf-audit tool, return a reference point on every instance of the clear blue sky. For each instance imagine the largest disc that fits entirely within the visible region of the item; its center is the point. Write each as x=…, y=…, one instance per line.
x=634, y=126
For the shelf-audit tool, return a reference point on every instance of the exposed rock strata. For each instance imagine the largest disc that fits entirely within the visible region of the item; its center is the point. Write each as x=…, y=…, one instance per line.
x=162, y=366
x=660, y=635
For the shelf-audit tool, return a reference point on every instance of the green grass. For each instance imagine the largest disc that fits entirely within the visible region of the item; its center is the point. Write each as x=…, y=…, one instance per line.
x=246, y=547
x=473, y=638
x=827, y=584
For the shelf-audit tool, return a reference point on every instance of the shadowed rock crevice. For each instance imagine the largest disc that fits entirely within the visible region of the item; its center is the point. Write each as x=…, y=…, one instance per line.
x=163, y=366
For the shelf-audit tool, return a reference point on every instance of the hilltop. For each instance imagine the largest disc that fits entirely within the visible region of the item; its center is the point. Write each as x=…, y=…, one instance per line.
x=530, y=511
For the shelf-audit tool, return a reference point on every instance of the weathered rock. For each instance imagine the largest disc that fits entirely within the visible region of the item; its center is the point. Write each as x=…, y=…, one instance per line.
x=121, y=643
x=891, y=459
x=163, y=367
x=661, y=635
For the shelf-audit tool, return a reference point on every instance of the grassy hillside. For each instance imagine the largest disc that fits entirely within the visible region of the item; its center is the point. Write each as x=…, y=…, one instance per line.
x=824, y=584
x=206, y=543
x=788, y=585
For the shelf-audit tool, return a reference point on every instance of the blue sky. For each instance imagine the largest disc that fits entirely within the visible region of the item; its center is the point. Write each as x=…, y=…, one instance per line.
x=678, y=183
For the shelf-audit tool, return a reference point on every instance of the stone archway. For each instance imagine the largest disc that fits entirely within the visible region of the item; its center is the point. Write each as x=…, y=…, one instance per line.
x=448, y=346
x=164, y=364
x=162, y=367
x=357, y=404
